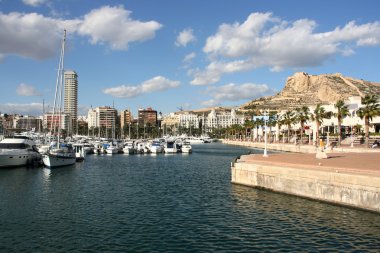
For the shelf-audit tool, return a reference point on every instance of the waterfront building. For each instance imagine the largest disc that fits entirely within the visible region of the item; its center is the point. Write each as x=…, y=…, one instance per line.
x=102, y=116
x=170, y=121
x=27, y=123
x=188, y=119
x=71, y=98
x=51, y=121
x=125, y=118
x=147, y=116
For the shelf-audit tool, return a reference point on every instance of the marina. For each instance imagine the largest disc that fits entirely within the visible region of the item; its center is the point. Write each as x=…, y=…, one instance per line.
x=168, y=203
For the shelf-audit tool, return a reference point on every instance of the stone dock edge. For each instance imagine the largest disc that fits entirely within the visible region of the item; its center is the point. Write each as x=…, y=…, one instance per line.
x=355, y=188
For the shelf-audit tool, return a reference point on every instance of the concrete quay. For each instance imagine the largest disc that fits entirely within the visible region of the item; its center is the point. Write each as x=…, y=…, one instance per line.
x=350, y=179
x=286, y=147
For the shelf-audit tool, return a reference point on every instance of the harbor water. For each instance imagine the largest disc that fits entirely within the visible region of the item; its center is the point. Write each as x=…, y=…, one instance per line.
x=168, y=203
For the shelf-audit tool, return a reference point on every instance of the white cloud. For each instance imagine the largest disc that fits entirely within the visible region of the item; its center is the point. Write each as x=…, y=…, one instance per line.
x=36, y=36
x=185, y=37
x=27, y=90
x=189, y=57
x=34, y=109
x=34, y=3
x=114, y=26
x=236, y=92
x=158, y=83
x=266, y=41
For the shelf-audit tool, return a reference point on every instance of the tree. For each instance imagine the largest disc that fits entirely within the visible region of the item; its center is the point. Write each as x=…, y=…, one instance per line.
x=319, y=115
x=370, y=109
x=287, y=119
x=248, y=124
x=342, y=111
x=302, y=116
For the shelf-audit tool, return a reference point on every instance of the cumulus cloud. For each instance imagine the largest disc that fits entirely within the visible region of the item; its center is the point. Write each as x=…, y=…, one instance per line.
x=263, y=40
x=158, y=83
x=235, y=92
x=185, y=37
x=33, y=109
x=114, y=26
x=27, y=90
x=34, y=3
x=35, y=36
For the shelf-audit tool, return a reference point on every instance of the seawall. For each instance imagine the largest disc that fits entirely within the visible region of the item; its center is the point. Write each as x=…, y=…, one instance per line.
x=340, y=182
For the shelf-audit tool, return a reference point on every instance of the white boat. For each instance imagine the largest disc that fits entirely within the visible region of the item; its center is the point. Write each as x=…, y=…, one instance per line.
x=170, y=147
x=18, y=151
x=155, y=147
x=59, y=156
x=194, y=140
x=111, y=149
x=129, y=148
x=186, y=147
x=80, y=152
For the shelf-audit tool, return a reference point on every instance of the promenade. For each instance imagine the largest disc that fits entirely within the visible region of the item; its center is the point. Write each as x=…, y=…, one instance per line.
x=349, y=176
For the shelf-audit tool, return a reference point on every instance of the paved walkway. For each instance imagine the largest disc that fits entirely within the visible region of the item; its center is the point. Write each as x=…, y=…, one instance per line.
x=358, y=163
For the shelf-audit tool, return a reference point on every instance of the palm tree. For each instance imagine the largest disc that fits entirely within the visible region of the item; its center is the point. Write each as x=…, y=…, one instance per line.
x=248, y=124
x=340, y=114
x=302, y=116
x=319, y=115
x=370, y=109
x=288, y=119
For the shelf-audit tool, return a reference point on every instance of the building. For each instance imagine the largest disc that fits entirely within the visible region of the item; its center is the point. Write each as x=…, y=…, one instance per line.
x=51, y=121
x=147, y=116
x=103, y=117
x=125, y=118
x=189, y=120
x=27, y=123
x=71, y=98
x=222, y=119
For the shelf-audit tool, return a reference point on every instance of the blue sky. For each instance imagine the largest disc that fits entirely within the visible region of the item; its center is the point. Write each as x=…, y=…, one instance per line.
x=169, y=54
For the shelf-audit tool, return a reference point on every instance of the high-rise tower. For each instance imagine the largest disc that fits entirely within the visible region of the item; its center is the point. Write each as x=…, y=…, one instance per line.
x=71, y=98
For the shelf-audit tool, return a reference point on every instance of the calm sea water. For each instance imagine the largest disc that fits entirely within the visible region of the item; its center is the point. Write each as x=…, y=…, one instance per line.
x=167, y=203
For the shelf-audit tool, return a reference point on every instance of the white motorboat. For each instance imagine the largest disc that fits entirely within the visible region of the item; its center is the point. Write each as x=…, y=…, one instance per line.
x=194, y=140
x=129, y=148
x=111, y=149
x=170, y=147
x=18, y=151
x=155, y=147
x=186, y=147
x=80, y=152
x=59, y=156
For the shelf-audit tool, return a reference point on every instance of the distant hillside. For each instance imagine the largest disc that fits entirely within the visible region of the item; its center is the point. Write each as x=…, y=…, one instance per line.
x=304, y=89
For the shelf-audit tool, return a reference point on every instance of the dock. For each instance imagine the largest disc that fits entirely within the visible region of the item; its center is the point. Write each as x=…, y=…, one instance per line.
x=345, y=178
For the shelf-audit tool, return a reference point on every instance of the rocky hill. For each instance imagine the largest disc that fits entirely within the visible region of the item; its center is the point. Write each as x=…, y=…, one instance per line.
x=304, y=89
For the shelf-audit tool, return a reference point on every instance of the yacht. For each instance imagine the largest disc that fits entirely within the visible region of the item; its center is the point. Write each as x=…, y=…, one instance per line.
x=111, y=149
x=170, y=147
x=194, y=140
x=186, y=147
x=80, y=152
x=129, y=148
x=59, y=155
x=18, y=151
x=155, y=147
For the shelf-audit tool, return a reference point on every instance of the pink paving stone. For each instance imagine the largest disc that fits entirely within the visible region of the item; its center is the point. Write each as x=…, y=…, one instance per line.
x=358, y=163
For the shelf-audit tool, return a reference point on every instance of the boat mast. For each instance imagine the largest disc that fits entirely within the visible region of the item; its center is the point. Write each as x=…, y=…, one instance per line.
x=58, y=92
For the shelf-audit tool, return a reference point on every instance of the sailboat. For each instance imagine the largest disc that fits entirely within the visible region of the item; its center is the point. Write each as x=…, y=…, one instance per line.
x=59, y=154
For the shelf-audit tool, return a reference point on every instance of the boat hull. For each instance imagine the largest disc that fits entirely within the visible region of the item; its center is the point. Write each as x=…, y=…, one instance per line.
x=15, y=160
x=50, y=160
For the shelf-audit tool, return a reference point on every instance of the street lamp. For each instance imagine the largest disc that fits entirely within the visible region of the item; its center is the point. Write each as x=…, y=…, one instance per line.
x=265, y=136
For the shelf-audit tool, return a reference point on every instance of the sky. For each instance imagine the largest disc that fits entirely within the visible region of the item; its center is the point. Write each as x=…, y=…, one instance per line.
x=179, y=54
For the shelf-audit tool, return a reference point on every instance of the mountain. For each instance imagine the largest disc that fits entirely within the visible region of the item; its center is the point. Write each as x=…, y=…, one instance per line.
x=304, y=89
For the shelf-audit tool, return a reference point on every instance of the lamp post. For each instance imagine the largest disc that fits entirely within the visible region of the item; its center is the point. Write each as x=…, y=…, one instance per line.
x=265, y=136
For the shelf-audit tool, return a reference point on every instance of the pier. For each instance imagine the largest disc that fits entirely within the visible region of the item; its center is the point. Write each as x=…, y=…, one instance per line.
x=350, y=179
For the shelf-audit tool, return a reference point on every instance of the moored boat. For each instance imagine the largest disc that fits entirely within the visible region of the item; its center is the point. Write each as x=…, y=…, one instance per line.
x=18, y=151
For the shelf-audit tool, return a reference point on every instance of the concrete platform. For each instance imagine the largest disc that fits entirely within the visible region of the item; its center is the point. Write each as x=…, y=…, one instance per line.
x=351, y=179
